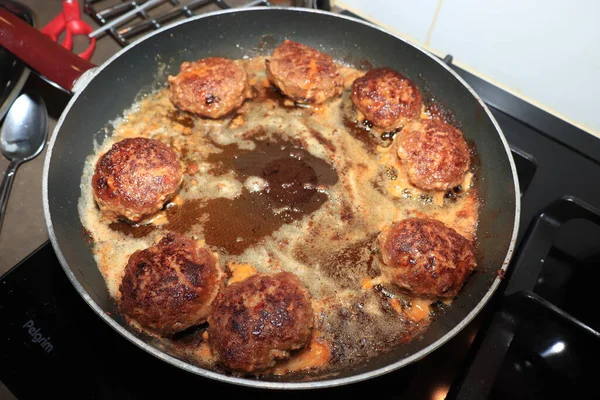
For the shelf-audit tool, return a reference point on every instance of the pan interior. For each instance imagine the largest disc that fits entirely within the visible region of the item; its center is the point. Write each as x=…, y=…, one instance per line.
x=145, y=66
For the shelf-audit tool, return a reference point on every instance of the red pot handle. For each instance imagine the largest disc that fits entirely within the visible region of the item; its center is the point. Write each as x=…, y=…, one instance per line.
x=40, y=52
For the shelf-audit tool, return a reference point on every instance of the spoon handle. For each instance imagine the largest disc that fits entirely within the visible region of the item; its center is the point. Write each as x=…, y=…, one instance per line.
x=7, y=182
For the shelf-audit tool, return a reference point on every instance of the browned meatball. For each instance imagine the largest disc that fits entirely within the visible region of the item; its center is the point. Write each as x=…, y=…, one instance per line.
x=387, y=98
x=260, y=320
x=211, y=87
x=169, y=287
x=303, y=73
x=426, y=257
x=135, y=178
x=433, y=153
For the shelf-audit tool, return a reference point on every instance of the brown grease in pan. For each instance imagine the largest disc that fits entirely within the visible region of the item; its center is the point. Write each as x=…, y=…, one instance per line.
x=348, y=187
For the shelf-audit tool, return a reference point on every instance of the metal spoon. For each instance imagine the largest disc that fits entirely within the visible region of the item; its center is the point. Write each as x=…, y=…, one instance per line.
x=22, y=138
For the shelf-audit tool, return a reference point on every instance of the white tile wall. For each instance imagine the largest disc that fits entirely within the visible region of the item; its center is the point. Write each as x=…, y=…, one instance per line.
x=545, y=51
x=409, y=19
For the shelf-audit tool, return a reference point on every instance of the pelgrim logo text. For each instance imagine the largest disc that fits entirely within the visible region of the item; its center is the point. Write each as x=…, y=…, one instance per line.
x=37, y=337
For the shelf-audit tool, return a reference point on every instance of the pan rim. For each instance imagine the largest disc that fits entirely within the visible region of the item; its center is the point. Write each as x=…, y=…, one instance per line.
x=326, y=383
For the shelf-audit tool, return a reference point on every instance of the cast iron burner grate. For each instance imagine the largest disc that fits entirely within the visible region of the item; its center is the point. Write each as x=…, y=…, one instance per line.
x=154, y=17
x=164, y=12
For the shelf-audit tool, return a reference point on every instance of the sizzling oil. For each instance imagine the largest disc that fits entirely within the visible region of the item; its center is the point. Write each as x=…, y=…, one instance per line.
x=282, y=187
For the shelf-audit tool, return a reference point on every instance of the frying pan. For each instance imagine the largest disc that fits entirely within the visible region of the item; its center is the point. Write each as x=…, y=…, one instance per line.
x=101, y=94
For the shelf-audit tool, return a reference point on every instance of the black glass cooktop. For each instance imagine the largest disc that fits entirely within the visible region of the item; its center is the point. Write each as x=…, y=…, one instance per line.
x=537, y=338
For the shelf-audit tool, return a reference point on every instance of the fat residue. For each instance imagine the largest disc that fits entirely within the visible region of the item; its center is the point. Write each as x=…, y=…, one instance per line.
x=282, y=187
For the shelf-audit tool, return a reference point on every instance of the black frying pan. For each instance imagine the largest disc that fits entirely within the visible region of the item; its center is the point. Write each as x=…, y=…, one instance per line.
x=102, y=94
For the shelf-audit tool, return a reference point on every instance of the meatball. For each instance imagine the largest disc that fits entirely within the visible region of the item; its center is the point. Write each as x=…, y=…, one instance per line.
x=260, y=320
x=135, y=178
x=211, y=87
x=303, y=74
x=433, y=153
x=426, y=257
x=386, y=98
x=169, y=287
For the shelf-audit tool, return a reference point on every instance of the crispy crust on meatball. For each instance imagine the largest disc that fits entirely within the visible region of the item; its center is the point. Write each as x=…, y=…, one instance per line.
x=211, y=87
x=169, y=287
x=426, y=257
x=303, y=73
x=433, y=153
x=260, y=320
x=135, y=178
x=386, y=98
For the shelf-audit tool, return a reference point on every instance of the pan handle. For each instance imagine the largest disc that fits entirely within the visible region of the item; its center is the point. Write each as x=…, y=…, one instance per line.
x=41, y=53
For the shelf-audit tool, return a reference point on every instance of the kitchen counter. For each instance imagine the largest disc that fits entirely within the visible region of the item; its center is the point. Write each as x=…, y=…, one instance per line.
x=24, y=227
